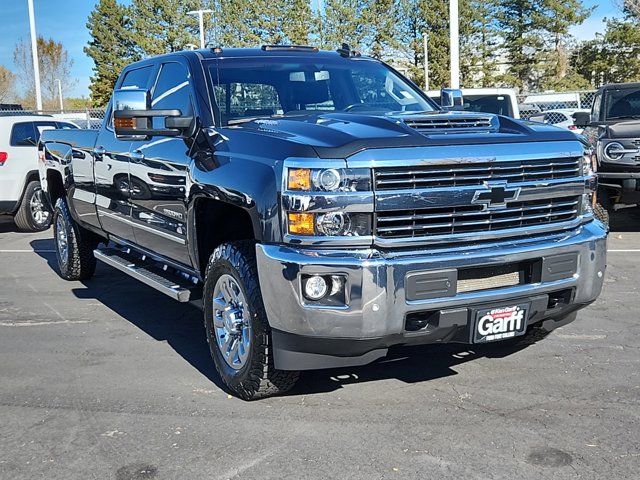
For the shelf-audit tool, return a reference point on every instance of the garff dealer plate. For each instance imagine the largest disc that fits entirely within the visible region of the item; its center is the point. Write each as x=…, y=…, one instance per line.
x=500, y=323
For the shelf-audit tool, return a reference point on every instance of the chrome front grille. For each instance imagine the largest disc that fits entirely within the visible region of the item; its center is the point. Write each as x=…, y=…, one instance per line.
x=462, y=174
x=437, y=221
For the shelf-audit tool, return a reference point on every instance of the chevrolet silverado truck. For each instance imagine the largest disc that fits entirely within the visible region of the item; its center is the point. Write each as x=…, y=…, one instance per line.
x=321, y=209
x=613, y=130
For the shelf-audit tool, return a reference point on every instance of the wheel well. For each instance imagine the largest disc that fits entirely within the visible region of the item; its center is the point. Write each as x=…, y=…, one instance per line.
x=55, y=187
x=217, y=223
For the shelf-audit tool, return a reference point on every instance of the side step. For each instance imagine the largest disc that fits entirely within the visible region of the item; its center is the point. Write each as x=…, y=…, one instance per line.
x=155, y=278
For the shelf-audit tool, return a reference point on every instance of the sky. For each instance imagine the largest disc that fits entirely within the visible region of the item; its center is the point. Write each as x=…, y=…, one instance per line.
x=65, y=21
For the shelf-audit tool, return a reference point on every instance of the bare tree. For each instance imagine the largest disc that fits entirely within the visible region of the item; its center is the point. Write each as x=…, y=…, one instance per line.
x=54, y=64
x=630, y=7
x=7, y=82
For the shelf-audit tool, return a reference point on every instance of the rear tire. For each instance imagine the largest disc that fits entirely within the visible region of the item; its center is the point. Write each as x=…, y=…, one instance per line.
x=234, y=312
x=601, y=214
x=34, y=213
x=74, y=245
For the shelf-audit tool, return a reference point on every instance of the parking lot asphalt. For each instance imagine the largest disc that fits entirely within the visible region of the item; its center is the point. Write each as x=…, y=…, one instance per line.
x=109, y=379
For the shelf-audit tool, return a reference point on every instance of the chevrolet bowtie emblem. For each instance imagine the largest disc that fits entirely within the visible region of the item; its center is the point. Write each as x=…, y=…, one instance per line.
x=495, y=197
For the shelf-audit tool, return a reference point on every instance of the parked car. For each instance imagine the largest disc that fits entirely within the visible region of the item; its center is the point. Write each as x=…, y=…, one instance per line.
x=501, y=101
x=20, y=192
x=321, y=209
x=613, y=130
x=563, y=118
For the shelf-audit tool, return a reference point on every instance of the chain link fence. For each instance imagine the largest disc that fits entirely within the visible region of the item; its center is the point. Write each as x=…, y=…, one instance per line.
x=90, y=118
x=532, y=104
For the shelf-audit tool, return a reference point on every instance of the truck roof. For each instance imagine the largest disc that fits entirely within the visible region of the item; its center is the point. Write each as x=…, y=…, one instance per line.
x=264, y=51
x=620, y=85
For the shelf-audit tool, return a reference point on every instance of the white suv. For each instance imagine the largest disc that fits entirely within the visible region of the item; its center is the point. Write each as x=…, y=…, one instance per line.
x=20, y=193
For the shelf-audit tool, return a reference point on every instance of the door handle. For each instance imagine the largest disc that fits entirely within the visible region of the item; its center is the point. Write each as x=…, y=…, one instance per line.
x=98, y=152
x=137, y=155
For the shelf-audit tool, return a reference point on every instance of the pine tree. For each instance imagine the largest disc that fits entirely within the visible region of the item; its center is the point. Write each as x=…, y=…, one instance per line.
x=344, y=21
x=110, y=47
x=163, y=26
x=431, y=17
x=479, y=42
x=557, y=17
x=381, y=18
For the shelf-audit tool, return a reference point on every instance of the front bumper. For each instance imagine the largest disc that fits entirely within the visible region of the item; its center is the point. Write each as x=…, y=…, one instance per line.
x=309, y=337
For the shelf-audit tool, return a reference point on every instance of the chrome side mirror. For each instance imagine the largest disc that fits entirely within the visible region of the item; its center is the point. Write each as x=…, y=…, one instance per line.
x=451, y=99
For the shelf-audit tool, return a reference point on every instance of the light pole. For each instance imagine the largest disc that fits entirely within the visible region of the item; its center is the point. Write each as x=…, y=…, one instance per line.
x=425, y=46
x=454, y=42
x=34, y=56
x=60, y=94
x=200, y=14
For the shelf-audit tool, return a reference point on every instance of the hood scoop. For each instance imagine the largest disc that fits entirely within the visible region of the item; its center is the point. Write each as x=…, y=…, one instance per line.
x=454, y=123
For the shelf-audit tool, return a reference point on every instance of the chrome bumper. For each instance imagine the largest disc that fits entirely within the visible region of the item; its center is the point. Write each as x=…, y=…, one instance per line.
x=377, y=305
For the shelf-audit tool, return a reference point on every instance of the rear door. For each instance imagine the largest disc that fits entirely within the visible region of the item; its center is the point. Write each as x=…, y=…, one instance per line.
x=158, y=169
x=111, y=166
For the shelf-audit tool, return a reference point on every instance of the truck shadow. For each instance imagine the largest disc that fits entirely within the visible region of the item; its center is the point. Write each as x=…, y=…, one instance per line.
x=181, y=326
x=625, y=220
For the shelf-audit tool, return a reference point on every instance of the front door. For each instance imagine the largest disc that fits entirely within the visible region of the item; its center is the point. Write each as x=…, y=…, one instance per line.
x=111, y=168
x=158, y=172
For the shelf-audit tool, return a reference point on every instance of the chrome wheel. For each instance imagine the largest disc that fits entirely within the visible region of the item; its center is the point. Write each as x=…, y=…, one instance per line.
x=39, y=211
x=62, y=241
x=231, y=323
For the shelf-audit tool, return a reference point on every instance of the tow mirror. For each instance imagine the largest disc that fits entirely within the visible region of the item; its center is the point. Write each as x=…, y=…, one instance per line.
x=451, y=99
x=133, y=116
x=581, y=119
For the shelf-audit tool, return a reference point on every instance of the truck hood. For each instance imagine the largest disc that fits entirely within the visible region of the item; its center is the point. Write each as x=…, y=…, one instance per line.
x=340, y=135
x=628, y=129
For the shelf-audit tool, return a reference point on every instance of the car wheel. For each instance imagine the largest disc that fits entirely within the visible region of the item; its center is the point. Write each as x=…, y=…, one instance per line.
x=236, y=325
x=34, y=213
x=74, y=245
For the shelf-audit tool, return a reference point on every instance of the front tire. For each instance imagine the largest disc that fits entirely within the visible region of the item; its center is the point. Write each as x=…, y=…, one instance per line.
x=74, y=245
x=34, y=213
x=236, y=324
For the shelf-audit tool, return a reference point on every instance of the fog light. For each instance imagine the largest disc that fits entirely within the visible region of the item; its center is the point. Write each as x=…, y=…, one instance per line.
x=315, y=287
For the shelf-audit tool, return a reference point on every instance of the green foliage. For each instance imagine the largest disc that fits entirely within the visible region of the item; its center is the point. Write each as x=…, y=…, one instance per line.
x=110, y=47
x=344, y=21
x=163, y=26
x=479, y=41
x=613, y=57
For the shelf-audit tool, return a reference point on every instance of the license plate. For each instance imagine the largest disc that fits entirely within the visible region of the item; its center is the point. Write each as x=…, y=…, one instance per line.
x=500, y=323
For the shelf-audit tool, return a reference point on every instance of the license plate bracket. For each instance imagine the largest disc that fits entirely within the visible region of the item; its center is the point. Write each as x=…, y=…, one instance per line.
x=492, y=324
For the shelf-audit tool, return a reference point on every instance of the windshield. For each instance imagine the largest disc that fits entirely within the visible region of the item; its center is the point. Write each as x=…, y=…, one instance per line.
x=623, y=103
x=247, y=88
x=498, y=104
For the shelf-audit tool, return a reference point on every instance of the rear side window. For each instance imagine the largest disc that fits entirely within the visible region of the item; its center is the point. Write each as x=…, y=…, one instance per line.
x=138, y=78
x=172, y=89
x=66, y=126
x=42, y=126
x=23, y=135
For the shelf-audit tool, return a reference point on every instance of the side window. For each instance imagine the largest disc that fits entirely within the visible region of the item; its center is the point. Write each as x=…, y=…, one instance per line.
x=138, y=78
x=65, y=126
x=41, y=127
x=23, y=135
x=172, y=89
x=595, y=111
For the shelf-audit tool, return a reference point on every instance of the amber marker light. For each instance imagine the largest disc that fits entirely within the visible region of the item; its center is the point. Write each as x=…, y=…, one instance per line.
x=301, y=224
x=299, y=179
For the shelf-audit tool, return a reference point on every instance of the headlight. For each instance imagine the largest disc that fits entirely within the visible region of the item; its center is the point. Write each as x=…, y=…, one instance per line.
x=329, y=179
x=330, y=224
x=589, y=164
x=614, y=151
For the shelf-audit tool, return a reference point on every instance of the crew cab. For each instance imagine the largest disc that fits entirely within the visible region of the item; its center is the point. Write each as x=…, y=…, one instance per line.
x=321, y=209
x=613, y=130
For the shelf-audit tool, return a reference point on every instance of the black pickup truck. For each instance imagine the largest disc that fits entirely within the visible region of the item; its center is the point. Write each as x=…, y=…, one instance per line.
x=613, y=130
x=321, y=209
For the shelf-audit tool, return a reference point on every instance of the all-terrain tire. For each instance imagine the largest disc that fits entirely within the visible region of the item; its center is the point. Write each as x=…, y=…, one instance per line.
x=257, y=378
x=28, y=219
x=76, y=261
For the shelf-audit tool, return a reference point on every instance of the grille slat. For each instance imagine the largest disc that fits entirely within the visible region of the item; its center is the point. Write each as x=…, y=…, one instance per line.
x=475, y=173
x=469, y=219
